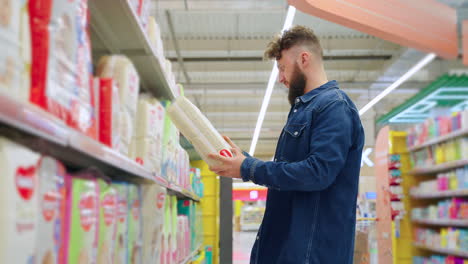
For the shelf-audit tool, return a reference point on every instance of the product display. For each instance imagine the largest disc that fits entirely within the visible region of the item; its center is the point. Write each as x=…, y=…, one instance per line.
x=15, y=58
x=51, y=198
x=107, y=222
x=121, y=236
x=198, y=129
x=446, y=238
x=153, y=201
x=135, y=225
x=438, y=260
x=455, y=208
x=19, y=203
x=452, y=180
x=80, y=225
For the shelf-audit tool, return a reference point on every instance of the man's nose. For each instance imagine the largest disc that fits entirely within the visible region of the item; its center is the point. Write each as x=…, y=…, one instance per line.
x=281, y=78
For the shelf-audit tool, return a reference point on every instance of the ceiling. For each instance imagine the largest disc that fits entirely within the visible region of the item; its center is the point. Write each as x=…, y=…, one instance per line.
x=217, y=47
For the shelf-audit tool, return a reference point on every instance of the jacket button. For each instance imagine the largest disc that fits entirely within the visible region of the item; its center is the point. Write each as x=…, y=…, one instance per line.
x=295, y=133
x=295, y=110
x=297, y=100
x=258, y=237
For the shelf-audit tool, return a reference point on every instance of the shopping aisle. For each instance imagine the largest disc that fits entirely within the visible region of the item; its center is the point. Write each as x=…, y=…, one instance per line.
x=243, y=242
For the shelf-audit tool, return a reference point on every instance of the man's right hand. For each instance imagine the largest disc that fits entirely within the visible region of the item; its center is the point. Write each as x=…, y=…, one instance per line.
x=234, y=146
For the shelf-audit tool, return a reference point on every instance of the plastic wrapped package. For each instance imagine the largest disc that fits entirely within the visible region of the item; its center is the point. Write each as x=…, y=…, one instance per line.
x=15, y=43
x=55, y=33
x=18, y=202
x=107, y=222
x=144, y=12
x=80, y=228
x=109, y=113
x=135, y=226
x=126, y=131
x=153, y=200
x=121, y=69
x=198, y=130
x=121, y=235
x=154, y=34
x=51, y=198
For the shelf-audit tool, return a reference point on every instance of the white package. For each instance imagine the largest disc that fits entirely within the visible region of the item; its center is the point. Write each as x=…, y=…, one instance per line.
x=121, y=69
x=154, y=35
x=15, y=44
x=198, y=129
x=153, y=200
x=126, y=132
x=147, y=118
x=18, y=203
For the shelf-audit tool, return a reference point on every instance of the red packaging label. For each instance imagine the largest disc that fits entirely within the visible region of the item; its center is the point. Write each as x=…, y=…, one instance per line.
x=122, y=210
x=160, y=200
x=136, y=209
x=25, y=181
x=225, y=153
x=50, y=205
x=109, y=209
x=87, y=211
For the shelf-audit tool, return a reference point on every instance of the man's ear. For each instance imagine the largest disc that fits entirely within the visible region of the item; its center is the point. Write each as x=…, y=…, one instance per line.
x=305, y=59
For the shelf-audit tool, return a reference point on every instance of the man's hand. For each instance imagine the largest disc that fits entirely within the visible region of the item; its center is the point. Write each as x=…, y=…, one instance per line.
x=229, y=167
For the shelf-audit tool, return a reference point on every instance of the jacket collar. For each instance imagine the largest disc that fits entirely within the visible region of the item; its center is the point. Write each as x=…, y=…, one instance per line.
x=310, y=95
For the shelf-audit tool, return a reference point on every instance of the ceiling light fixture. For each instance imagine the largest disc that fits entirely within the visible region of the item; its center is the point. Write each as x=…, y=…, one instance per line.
x=271, y=84
x=423, y=62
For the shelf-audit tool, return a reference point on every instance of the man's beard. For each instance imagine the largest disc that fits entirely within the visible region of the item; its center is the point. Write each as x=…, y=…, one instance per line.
x=297, y=85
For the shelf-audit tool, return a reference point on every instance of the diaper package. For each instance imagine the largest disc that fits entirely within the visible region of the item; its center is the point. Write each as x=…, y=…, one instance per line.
x=80, y=228
x=15, y=44
x=18, y=202
x=135, y=226
x=109, y=113
x=121, y=236
x=51, y=198
x=153, y=199
x=198, y=129
x=107, y=222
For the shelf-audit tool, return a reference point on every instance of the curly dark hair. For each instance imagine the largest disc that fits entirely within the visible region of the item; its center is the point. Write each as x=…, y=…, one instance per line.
x=297, y=35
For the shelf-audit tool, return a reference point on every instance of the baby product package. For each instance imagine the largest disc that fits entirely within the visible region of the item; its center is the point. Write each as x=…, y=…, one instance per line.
x=153, y=199
x=198, y=129
x=121, y=69
x=126, y=132
x=18, y=202
x=55, y=32
x=51, y=198
x=154, y=34
x=80, y=228
x=15, y=44
x=107, y=222
x=135, y=226
x=121, y=236
x=109, y=113
x=83, y=104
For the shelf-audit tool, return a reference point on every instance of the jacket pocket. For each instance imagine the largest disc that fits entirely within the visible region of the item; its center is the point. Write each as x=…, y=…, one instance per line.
x=295, y=130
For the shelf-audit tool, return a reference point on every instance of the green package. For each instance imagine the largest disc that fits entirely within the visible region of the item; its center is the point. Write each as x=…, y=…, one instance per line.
x=107, y=222
x=134, y=225
x=121, y=233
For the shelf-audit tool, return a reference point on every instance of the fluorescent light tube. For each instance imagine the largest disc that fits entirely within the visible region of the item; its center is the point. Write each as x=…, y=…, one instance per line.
x=426, y=60
x=271, y=84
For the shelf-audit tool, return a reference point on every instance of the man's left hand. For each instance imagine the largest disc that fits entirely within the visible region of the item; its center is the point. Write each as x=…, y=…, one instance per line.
x=229, y=167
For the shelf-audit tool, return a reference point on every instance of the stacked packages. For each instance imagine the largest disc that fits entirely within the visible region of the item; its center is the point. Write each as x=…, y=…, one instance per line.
x=447, y=238
x=439, y=260
x=455, y=208
x=436, y=127
x=449, y=181
x=452, y=150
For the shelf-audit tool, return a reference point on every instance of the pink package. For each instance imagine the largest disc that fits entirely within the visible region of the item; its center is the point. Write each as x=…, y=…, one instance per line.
x=80, y=225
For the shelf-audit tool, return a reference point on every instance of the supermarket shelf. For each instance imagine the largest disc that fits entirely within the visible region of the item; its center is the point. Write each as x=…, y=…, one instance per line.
x=442, y=222
x=439, y=168
x=116, y=29
x=32, y=120
x=181, y=192
x=458, y=253
x=31, y=126
x=440, y=194
x=437, y=140
x=189, y=258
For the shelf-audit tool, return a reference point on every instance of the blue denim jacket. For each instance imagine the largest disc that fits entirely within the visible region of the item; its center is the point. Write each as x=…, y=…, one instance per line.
x=312, y=183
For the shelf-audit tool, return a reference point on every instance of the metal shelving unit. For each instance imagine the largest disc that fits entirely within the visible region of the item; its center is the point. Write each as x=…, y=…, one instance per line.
x=442, y=222
x=115, y=29
x=452, y=135
x=29, y=125
x=440, y=167
x=458, y=253
x=441, y=194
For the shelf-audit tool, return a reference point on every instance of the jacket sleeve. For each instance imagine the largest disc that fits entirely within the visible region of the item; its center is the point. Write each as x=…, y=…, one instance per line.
x=329, y=147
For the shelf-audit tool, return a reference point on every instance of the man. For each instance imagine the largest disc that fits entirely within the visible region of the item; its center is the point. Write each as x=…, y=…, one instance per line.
x=313, y=181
